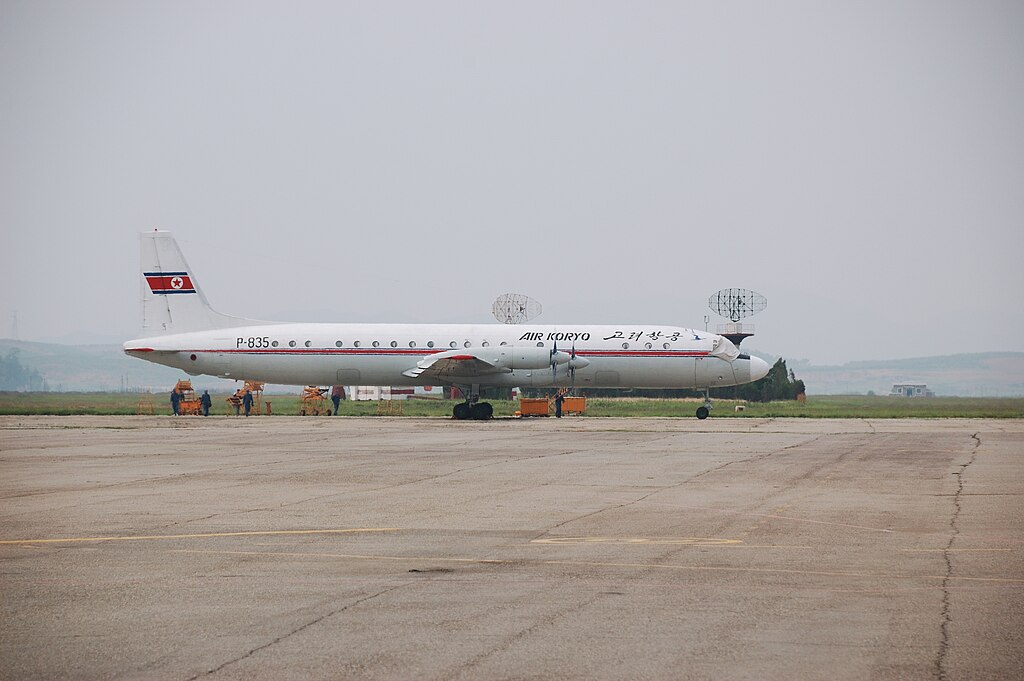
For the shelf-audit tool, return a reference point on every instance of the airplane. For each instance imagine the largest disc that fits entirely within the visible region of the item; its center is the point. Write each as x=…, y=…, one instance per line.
x=184, y=332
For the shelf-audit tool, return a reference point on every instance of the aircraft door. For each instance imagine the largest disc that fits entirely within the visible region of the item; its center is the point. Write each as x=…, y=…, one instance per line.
x=348, y=377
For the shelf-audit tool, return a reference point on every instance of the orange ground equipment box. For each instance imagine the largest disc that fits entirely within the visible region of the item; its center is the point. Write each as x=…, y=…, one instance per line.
x=533, y=406
x=574, y=405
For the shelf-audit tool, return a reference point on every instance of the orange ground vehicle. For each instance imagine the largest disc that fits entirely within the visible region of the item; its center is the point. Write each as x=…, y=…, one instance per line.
x=189, y=403
x=312, y=402
x=255, y=388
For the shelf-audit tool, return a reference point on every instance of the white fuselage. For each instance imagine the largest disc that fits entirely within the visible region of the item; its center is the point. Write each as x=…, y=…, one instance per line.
x=633, y=355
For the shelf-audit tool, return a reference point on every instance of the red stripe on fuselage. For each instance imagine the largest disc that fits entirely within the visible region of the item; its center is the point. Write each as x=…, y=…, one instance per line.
x=419, y=352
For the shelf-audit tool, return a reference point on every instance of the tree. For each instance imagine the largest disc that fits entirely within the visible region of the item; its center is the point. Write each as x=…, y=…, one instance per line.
x=15, y=376
x=780, y=384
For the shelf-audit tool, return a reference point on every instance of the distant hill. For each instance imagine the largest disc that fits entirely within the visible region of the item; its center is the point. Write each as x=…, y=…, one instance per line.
x=988, y=374
x=97, y=367
x=985, y=374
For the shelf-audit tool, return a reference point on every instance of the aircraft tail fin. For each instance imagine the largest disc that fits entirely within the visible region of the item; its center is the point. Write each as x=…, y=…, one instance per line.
x=172, y=301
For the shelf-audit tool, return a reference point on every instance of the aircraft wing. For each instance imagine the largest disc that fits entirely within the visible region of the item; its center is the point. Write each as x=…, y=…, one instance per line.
x=465, y=363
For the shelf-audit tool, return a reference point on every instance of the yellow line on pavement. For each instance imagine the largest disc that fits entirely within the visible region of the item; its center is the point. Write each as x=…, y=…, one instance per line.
x=685, y=541
x=204, y=535
x=949, y=550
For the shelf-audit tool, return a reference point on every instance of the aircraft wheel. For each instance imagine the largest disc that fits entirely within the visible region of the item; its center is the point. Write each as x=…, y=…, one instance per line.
x=482, y=411
x=702, y=413
x=461, y=412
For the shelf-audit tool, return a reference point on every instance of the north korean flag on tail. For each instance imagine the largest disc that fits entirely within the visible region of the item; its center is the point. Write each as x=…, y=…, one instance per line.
x=164, y=283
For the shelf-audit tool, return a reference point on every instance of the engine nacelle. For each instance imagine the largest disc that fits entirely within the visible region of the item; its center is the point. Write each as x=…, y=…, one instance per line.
x=506, y=358
x=524, y=357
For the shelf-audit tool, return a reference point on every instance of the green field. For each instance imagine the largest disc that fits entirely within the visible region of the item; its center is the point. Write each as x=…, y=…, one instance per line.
x=823, y=406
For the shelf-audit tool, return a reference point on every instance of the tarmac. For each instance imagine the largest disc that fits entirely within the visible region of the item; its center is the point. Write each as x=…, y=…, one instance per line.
x=585, y=548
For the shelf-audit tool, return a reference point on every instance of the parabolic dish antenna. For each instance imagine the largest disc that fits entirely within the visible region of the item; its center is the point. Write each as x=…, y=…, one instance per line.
x=737, y=303
x=515, y=308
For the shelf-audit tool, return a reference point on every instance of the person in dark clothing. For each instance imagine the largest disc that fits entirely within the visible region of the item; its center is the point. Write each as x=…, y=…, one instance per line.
x=558, y=405
x=175, y=401
x=206, y=401
x=247, y=401
x=337, y=395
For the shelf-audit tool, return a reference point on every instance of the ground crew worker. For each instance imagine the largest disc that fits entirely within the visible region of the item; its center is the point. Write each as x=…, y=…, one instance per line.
x=206, y=401
x=558, y=404
x=337, y=395
x=175, y=401
x=236, y=401
x=247, y=402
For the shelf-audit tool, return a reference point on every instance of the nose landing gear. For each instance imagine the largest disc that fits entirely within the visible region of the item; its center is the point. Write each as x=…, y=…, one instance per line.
x=705, y=410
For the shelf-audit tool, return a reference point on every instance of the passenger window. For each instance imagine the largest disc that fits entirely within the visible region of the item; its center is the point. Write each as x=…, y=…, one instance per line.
x=338, y=344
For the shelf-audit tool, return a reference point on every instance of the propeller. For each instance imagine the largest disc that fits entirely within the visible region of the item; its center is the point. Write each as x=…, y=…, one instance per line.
x=572, y=368
x=558, y=357
x=554, y=362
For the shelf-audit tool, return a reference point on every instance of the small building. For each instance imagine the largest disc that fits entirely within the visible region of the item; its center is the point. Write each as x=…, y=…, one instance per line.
x=383, y=392
x=910, y=390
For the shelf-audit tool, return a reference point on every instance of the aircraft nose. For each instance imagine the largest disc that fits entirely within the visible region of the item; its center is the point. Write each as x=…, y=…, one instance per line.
x=758, y=368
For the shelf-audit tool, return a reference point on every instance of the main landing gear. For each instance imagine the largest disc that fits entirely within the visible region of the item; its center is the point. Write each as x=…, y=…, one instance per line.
x=705, y=410
x=472, y=408
x=478, y=411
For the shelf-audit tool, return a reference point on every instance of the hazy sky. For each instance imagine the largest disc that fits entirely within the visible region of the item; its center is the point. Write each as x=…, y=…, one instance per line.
x=860, y=164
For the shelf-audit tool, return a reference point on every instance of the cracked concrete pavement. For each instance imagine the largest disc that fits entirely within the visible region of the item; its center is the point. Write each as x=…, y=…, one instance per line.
x=153, y=547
